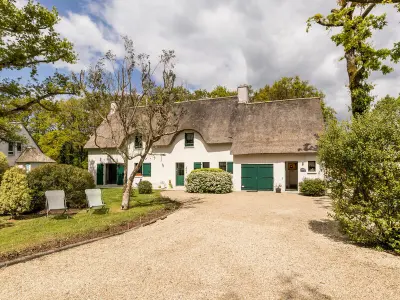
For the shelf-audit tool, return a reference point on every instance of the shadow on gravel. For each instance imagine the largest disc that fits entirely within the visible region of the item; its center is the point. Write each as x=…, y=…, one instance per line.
x=329, y=229
x=295, y=289
x=324, y=202
x=192, y=202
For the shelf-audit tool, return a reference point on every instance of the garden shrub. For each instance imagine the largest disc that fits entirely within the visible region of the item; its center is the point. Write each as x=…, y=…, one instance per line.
x=15, y=195
x=361, y=158
x=211, y=182
x=208, y=170
x=3, y=164
x=313, y=187
x=72, y=180
x=145, y=187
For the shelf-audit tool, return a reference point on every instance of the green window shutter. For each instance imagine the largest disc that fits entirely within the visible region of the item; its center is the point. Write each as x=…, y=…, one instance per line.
x=100, y=174
x=229, y=167
x=197, y=165
x=147, y=170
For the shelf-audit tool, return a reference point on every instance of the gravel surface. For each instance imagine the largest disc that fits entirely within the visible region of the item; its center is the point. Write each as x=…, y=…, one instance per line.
x=237, y=246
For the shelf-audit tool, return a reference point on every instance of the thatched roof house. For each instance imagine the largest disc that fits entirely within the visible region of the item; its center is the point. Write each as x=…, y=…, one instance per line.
x=263, y=144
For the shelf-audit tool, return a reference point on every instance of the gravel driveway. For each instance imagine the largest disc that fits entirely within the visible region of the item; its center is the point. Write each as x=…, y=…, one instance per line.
x=237, y=246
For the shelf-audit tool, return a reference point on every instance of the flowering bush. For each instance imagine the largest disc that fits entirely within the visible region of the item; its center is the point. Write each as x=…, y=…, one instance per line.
x=211, y=182
x=15, y=195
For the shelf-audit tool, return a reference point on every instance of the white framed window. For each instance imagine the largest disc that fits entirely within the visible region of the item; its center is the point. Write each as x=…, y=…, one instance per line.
x=189, y=139
x=11, y=148
x=19, y=147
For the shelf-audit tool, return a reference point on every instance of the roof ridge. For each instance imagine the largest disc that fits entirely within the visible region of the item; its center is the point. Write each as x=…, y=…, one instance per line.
x=282, y=100
x=205, y=99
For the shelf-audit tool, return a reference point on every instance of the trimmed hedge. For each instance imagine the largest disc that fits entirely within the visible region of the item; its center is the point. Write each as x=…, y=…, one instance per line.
x=313, y=187
x=72, y=180
x=145, y=187
x=15, y=196
x=209, y=182
x=209, y=170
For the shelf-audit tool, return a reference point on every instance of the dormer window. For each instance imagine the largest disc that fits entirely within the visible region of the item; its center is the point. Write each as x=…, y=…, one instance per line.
x=138, y=142
x=189, y=139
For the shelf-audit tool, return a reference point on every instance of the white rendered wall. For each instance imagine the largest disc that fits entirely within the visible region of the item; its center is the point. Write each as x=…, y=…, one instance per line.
x=278, y=160
x=163, y=160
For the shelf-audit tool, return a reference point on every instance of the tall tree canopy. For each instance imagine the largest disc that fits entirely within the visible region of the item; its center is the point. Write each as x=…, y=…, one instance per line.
x=63, y=132
x=28, y=39
x=292, y=88
x=356, y=22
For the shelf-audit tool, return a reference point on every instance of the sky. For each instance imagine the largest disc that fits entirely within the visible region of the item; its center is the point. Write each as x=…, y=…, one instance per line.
x=225, y=42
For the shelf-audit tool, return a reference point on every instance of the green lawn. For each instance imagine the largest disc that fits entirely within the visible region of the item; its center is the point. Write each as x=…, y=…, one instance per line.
x=32, y=231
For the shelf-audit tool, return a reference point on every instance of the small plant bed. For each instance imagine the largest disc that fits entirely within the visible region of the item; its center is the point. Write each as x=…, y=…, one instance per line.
x=30, y=234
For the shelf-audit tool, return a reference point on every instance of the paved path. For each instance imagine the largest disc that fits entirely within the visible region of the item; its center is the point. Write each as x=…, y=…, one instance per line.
x=237, y=246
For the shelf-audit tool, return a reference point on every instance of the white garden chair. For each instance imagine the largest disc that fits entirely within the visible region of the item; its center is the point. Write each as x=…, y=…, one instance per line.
x=55, y=200
x=94, y=199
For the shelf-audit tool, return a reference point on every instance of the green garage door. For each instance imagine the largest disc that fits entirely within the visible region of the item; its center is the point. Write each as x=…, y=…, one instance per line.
x=257, y=177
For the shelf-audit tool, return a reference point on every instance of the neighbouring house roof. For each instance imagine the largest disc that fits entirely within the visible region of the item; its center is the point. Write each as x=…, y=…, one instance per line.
x=33, y=155
x=284, y=126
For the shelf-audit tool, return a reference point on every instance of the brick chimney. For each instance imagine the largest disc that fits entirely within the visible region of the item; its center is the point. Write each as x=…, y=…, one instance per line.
x=243, y=93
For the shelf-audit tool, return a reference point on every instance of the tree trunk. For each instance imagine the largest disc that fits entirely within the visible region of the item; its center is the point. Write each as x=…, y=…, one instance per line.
x=127, y=194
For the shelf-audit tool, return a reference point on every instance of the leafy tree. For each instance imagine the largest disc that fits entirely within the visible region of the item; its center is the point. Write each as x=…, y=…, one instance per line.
x=148, y=114
x=361, y=159
x=221, y=91
x=357, y=24
x=15, y=195
x=28, y=39
x=292, y=88
x=62, y=135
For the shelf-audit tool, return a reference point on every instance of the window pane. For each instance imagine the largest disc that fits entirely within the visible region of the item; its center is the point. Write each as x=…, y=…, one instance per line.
x=311, y=166
x=138, y=142
x=206, y=165
x=189, y=139
x=140, y=172
x=10, y=148
x=222, y=165
x=19, y=147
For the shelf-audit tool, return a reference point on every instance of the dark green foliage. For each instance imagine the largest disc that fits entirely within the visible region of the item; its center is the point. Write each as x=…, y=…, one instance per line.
x=210, y=182
x=361, y=158
x=3, y=164
x=29, y=39
x=71, y=179
x=208, y=170
x=145, y=187
x=313, y=187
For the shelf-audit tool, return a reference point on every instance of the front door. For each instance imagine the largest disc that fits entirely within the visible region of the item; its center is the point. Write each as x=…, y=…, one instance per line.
x=180, y=174
x=292, y=175
x=100, y=174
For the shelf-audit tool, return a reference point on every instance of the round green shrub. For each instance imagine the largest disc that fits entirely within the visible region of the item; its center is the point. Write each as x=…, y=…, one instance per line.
x=313, y=187
x=72, y=180
x=3, y=164
x=15, y=195
x=209, y=170
x=145, y=187
x=209, y=182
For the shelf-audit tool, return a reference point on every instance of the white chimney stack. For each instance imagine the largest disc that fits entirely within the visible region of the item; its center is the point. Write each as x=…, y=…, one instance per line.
x=113, y=108
x=243, y=93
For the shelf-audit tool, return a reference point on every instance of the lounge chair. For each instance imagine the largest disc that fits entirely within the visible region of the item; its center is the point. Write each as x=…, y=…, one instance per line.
x=94, y=199
x=55, y=200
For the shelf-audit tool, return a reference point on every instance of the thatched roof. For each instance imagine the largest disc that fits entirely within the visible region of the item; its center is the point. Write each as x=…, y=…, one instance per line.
x=287, y=126
x=33, y=155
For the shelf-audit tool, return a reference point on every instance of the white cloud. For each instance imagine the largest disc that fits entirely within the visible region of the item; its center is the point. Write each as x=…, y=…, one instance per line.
x=226, y=42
